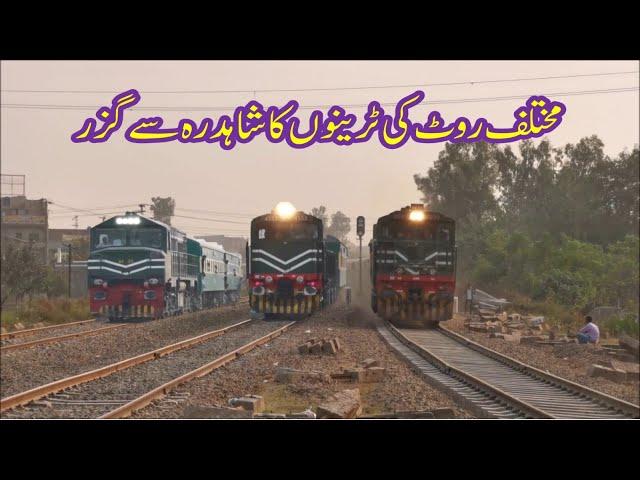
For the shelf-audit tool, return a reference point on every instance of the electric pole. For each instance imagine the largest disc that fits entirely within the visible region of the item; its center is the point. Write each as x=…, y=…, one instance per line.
x=69, y=266
x=142, y=205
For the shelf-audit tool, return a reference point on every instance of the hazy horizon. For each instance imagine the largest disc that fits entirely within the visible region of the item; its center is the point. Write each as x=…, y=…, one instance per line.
x=365, y=179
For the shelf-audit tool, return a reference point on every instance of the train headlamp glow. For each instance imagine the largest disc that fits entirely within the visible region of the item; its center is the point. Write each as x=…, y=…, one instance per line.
x=284, y=210
x=128, y=220
x=268, y=279
x=416, y=216
x=300, y=279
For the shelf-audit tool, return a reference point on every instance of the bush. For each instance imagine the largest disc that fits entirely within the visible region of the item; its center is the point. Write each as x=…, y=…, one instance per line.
x=619, y=324
x=55, y=311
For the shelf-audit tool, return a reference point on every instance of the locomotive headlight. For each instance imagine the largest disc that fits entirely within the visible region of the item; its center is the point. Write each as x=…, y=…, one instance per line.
x=285, y=210
x=416, y=216
x=268, y=279
x=299, y=279
x=128, y=220
x=98, y=281
x=153, y=281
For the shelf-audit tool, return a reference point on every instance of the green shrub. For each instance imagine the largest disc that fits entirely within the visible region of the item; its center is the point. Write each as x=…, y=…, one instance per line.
x=619, y=324
x=48, y=311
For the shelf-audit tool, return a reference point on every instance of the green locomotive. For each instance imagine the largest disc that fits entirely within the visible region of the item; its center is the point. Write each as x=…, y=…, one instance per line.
x=140, y=268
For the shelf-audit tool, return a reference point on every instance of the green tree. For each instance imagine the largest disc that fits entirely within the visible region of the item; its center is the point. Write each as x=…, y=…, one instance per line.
x=163, y=209
x=21, y=272
x=340, y=226
x=558, y=225
x=80, y=249
x=462, y=181
x=321, y=213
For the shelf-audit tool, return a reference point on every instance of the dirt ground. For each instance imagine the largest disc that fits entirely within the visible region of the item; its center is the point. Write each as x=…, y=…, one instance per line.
x=570, y=361
x=401, y=389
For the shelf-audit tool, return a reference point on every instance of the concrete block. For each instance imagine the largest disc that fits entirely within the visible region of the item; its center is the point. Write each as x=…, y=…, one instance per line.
x=344, y=404
x=329, y=347
x=251, y=403
x=369, y=362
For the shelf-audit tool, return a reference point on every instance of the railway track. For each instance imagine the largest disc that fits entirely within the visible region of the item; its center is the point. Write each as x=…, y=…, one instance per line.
x=9, y=345
x=497, y=386
x=84, y=328
x=117, y=390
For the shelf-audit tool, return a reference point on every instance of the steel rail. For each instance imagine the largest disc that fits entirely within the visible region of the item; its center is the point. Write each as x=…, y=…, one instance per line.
x=46, y=340
x=611, y=401
x=535, y=393
x=20, y=333
x=36, y=393
x=161, y=391
x=524, y=407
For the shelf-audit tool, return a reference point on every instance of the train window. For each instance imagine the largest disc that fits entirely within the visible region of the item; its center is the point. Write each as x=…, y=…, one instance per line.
x=109, y=237
x=443, y=233
x=285, y=231
x=145, y=237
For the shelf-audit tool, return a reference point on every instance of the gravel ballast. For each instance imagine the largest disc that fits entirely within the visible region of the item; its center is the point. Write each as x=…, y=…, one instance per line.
x=55, y=332
x=130, y=383
x=21, y=370
x=254, y=373
x=570, y=361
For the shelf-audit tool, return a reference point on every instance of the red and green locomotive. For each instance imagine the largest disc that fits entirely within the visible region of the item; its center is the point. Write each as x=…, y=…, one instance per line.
x=140, y=268
x=413, y=266
x=291, y=268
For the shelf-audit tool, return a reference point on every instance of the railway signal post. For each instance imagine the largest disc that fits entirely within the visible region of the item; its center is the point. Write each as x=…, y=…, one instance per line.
x=360, y=232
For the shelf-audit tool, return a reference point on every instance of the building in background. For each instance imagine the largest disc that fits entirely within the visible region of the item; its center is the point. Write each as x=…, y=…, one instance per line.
x=24, y=221
x=60, y=238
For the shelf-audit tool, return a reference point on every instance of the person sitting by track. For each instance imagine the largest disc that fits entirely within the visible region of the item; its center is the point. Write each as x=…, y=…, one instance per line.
x=590, y=333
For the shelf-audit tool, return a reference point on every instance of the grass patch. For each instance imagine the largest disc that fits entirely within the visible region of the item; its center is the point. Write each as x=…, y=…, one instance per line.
x=47, y=311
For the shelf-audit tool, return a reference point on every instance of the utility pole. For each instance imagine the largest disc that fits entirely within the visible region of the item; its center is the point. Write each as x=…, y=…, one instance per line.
x=69, y=266
x=142, y=205
x=360, y=232
x=75, y=222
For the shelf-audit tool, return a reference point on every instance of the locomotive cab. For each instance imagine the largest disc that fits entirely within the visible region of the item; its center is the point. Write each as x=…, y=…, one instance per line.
x=413, y=266
x=126, y=268
x=285, y=262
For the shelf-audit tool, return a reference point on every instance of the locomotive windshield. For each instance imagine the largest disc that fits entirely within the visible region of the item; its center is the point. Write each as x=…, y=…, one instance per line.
x=286, y=231
x=127, y=237
x=429, y=231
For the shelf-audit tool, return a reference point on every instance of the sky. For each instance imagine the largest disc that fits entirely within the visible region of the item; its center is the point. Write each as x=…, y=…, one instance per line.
x=234, y=186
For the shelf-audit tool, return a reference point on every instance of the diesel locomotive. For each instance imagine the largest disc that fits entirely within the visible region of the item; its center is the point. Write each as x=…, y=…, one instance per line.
x=292, y=269
x=140, y=268
x=413, y=265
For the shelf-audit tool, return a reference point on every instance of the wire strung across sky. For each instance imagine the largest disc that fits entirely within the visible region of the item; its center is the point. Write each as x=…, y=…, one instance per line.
x=324, y=89
x=27, y=106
